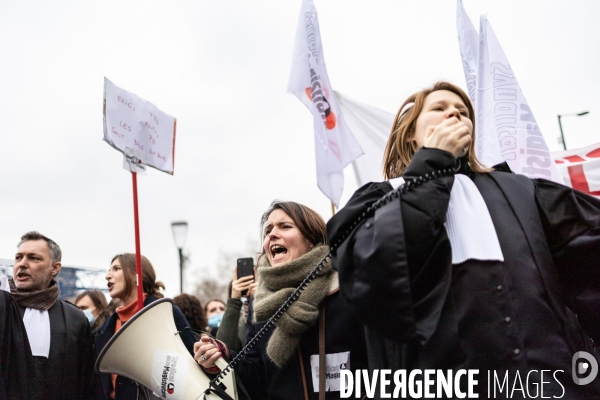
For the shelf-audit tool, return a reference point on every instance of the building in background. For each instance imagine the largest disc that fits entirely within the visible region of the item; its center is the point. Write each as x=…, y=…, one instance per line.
x=71, y=280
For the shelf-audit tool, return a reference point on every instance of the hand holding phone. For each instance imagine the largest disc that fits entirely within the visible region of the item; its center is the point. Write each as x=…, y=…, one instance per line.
x=245, y=268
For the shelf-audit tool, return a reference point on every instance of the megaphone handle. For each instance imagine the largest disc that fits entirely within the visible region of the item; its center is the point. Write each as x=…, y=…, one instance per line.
x=221, y=363
x=217, y=389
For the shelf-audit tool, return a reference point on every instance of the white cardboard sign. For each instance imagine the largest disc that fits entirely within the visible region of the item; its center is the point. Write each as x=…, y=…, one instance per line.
x=137, y=128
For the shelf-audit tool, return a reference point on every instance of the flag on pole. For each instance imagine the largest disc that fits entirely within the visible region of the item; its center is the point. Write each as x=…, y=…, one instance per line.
x=335, y=146
x=505, y=126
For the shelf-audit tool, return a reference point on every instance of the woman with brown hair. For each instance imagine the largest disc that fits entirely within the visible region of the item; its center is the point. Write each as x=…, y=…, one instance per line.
x=121, y=285
x=285, y=361
x=94, y=306
x=479, y=268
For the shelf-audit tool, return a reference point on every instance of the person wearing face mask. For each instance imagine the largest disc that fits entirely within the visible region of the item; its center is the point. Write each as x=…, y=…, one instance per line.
x=318, y=331
x=479, y=268
x=121, y=285
x=94, y=306
x=214, y=310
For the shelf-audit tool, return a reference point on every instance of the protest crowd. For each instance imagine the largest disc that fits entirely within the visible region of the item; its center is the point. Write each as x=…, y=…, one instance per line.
x=452, y=278
x=446, y=265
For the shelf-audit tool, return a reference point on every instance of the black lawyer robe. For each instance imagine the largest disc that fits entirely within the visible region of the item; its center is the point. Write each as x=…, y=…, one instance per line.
x=16, y=361
x=486, y=315
x=67, y=372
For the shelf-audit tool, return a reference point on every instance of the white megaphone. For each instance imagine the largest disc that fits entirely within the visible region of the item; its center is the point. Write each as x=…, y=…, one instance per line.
x=159, y=361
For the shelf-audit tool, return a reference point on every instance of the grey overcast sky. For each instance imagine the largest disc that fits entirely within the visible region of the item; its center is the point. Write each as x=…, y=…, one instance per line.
x=221, y=68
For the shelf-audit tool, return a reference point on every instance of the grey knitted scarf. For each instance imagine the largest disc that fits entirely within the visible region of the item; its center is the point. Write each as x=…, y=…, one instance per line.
x=39, y=299
x=276, y=284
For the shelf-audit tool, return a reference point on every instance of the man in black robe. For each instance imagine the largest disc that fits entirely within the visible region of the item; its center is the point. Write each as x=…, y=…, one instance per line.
x=58, y=332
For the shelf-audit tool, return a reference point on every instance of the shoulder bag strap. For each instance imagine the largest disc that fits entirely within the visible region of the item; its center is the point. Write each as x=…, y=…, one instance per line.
x=322, y=364
x=303, y=374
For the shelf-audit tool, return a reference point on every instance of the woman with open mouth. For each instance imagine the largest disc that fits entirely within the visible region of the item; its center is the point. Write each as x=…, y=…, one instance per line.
x=285, y=362
x=121, y=285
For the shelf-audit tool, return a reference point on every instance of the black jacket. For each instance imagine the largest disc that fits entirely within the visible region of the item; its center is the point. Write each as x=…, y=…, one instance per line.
x=264, y=380
x=125, y=388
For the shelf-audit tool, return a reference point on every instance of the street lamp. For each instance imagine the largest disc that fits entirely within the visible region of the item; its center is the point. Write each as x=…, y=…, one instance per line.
x=562, y=136
x=179, y=235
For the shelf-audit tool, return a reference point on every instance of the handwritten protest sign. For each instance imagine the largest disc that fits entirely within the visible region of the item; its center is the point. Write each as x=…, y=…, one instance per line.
x=137, y=128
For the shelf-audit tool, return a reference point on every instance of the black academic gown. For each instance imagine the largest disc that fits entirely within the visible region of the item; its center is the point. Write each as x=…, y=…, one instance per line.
x=16, y=362
x=67, y=372
x=511, y=317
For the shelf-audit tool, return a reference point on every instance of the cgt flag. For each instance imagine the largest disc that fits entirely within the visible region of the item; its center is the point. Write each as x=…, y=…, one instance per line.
x=335, y=146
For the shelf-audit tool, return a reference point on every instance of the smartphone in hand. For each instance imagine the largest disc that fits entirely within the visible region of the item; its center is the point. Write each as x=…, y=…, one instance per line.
x=245, y=267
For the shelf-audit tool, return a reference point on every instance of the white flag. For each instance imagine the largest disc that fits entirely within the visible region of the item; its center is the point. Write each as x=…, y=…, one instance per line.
x=371, y=127
x=506, y=129
x=468, y=43
x=335, y=147
x=487, y=145
x=522, y=143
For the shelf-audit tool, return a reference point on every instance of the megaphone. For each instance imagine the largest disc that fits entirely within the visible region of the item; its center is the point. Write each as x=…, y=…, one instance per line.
x=159, y=361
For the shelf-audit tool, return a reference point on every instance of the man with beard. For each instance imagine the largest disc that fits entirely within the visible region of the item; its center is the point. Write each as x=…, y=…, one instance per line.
x=58, y=332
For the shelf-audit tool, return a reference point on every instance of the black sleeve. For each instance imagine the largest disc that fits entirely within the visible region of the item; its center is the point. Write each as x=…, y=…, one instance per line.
x=394, y=266
x=228, y=330
x=16, y=362
x=572, y=225
x=88, y=376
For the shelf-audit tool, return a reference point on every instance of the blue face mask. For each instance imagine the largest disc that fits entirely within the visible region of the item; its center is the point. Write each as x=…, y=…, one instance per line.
x=90, y=316
x=215, y=320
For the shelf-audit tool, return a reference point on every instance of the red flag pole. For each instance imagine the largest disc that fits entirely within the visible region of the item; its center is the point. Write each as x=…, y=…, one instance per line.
x=138, y=254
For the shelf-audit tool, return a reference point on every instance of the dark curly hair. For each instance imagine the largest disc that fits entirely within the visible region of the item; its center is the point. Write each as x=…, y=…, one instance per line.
x=192, y=309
